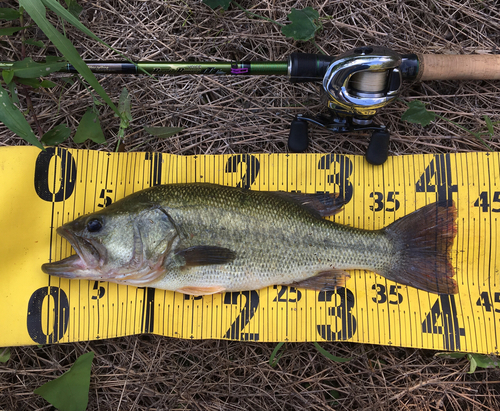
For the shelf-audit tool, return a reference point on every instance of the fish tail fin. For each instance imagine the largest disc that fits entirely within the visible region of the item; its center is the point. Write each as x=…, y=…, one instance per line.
x=423, y=240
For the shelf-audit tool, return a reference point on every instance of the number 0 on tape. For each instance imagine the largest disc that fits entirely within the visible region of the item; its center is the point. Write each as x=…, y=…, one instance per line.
x=41, y=190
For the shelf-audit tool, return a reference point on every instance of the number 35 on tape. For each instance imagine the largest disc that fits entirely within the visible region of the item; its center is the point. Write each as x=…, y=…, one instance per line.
x=43, y=189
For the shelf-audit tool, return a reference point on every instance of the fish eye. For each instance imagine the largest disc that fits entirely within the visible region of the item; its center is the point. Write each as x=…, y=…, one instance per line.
x=94, y=225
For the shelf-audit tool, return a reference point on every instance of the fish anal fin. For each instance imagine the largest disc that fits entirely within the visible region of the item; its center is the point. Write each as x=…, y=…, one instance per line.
x=206, y=255
x=324, y=280
x=193, y=290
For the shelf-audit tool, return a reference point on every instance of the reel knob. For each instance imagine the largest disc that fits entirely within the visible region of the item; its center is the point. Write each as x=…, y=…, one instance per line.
x=378, y=148
x=298, y=140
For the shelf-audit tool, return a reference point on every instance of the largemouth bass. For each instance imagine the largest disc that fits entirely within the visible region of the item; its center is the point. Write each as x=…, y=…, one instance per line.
x=203, y=239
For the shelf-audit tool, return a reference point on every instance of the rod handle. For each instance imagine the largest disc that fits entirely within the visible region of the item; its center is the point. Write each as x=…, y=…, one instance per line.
x=459, y=67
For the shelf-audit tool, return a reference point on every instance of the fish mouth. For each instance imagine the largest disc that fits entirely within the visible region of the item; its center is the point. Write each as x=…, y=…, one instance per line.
x=88, y=257
x=66, y=268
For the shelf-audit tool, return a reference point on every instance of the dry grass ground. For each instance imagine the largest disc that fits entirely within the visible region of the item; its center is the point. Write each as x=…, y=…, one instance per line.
x=243, y=115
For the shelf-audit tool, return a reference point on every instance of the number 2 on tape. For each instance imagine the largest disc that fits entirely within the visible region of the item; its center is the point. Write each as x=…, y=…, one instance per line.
x=244, y=317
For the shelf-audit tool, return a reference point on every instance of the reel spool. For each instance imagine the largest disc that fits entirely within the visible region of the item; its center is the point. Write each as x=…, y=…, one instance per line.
x=355, y=85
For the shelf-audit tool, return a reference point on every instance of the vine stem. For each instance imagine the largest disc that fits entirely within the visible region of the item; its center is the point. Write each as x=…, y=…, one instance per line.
x=256, y=15
x=477, y=135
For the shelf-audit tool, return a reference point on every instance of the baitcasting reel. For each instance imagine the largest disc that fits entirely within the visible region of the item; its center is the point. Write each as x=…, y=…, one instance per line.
x=355, y=85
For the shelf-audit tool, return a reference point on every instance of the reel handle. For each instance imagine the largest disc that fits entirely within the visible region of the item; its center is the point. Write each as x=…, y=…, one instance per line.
x=458, y=67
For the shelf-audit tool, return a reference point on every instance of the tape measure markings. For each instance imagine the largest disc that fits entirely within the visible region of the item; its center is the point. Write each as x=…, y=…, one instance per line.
x=369, y=309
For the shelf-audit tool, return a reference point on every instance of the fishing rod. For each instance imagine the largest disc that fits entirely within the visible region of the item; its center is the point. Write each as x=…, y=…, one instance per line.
x=355, y=84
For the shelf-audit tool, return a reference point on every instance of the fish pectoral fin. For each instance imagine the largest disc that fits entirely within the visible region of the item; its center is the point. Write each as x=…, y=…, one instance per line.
x=206, y=255
x=324, y=280
x=192, y=290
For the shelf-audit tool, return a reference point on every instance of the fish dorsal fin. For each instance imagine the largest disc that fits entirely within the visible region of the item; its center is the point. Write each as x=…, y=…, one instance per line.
x=322, y=204
x=206, y=255
x=324, y=280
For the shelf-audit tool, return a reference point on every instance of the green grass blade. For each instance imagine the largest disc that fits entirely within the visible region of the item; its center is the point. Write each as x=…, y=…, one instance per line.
x=328, y=355
x=37, y=12
x=14, y=119
x=71, y=19
x=489, y=125
x=274, y=358
x=4, y=354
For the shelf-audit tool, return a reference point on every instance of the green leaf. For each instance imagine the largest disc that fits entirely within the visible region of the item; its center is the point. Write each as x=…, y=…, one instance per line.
x=27, y=68
x=35, y=83
x=33, y=42
x=32, y=82
x=163, y=132
x=473, y=363
x=56, y=135
x=7, y=31
x=418, y=114
x=304, y=24
x=476, y=360
x=4, y=354
x=73, y=7
x=274, y=358
x=53, y=59
x=37, y=12
x=328, y=355
x=483, y=361
x=9, y=14
x=70, y=392
x=47, y=84
x=8, y=75
x=213, y=4
x=14, y=119
x=89, y=129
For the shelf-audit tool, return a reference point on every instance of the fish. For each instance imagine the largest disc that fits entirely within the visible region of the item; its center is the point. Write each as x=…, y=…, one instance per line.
x=202, y=239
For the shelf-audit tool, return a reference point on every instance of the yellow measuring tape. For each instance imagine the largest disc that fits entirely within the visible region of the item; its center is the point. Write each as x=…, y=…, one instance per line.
x=41, y=190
